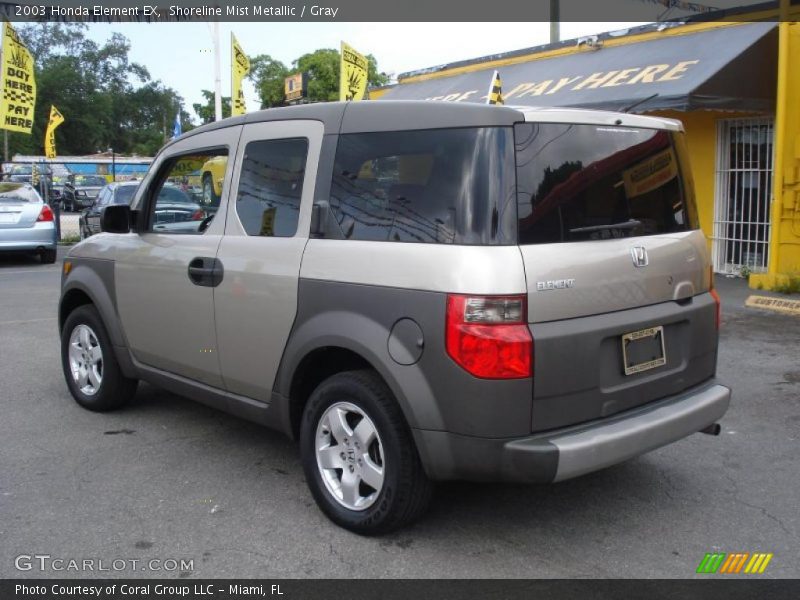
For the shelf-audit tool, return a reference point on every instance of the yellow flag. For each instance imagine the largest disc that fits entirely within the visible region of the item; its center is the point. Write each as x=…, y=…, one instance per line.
x=495, y=90
x=18, y=83
x=353, y=74
x=240, y=66
x=56, y=119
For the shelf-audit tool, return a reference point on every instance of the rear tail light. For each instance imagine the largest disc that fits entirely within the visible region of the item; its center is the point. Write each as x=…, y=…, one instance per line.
x=715, y=295
x=46, y=214
x=198, y=215
x=488, y=336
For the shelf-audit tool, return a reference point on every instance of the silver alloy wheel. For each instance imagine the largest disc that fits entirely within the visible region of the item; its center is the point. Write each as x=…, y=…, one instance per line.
x=350, y=456
x=85, y=359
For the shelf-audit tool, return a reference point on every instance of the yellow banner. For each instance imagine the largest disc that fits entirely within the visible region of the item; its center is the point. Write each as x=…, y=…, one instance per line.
x=240, y=66
x=353, y=75
x=18, y=83
x=56, y=119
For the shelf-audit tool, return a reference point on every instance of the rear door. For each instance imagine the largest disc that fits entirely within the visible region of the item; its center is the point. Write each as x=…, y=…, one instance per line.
x=616, y=267
x=267, y=229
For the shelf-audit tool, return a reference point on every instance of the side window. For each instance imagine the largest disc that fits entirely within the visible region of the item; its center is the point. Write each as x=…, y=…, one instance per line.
x=270, y=186
x=443, y=186
x=186, y=193
x=103, y=197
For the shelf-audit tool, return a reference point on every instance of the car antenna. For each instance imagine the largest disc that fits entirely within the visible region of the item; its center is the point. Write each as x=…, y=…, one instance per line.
x=637, y=103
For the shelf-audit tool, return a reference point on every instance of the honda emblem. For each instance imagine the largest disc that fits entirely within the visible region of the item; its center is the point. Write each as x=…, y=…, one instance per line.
x=639, y=256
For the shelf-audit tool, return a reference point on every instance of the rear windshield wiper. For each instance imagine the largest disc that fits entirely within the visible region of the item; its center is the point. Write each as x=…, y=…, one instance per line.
x=630, y=224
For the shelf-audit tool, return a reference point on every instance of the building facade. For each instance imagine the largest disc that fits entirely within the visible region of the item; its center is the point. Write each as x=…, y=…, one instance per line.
x=735, y=85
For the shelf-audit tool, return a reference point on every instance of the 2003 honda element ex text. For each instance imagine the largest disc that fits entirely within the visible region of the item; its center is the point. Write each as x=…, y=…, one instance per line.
x=416, y=291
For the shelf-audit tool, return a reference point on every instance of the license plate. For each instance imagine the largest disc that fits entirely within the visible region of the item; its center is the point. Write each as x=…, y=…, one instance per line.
x=643, y=350
x=8, y=217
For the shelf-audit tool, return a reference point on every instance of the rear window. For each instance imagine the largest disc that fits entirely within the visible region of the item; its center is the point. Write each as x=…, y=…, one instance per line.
x=124, y=194
x=443, y=186
x=588, y=182
x=15, y=193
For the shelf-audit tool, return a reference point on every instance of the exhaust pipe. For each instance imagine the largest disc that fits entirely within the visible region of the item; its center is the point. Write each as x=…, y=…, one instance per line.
x=712, y=429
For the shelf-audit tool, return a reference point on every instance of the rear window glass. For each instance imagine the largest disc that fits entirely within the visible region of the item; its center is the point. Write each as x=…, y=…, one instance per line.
x=15, y=193
x=445, y=186
x=588, y=182
x=124, y=194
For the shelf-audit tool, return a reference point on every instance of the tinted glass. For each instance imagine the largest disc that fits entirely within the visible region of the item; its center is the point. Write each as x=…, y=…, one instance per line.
x=587, y=182
x=124, y=194
x=90, y=180
x=177, y=192
x=270, y=187
x=446, y=186
x=103, y=197
x=14, y=193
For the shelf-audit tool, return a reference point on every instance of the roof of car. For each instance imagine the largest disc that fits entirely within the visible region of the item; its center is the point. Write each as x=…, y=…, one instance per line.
x=396, y=115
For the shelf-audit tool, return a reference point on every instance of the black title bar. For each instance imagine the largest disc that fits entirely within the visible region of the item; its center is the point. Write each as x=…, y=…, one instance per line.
x=390, y=10
x=733, y=588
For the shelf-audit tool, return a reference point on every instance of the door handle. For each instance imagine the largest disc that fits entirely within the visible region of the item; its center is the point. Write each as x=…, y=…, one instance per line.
x=205, y=271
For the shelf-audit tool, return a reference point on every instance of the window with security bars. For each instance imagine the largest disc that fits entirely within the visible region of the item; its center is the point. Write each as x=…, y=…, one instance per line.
x=743, y=195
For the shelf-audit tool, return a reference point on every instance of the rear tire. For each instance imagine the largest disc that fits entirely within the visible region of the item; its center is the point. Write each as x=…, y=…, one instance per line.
x=48, y=257
x=90, y=367
x=353, y=431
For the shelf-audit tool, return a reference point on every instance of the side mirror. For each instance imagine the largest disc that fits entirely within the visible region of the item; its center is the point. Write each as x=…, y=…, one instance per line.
x=115, y=218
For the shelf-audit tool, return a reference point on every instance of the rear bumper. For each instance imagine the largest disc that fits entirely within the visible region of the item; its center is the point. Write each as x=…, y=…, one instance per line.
x=41, y=235
x=563, y=454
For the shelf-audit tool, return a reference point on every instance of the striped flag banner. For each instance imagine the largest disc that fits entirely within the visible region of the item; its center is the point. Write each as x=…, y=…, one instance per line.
x=733, y=563
x=495, y=93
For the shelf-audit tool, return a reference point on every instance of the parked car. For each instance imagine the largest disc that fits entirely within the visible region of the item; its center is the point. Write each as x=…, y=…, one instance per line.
x=176, y=211
x=212, y=175
x=23, y=172
x=113, y=193
x=417, y=292
x=80, y=191
x=27, y=224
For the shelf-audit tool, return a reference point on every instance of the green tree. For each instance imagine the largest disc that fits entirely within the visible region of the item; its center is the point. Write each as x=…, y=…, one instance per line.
x=206, y=111
x=107, y=100
x=268, y=75
x=323, y=68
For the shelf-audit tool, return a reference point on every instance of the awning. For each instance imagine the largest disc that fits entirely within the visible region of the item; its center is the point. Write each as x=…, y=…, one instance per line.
x=727, y=68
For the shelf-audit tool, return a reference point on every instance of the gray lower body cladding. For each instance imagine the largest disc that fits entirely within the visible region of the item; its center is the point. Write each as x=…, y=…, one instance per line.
x=401, y=333
x=578, y=368
x=574, y=451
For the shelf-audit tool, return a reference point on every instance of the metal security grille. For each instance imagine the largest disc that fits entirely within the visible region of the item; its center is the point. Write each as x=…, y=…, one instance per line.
x=744, y=195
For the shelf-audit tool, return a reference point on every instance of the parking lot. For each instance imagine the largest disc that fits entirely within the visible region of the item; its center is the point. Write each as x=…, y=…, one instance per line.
x=170, y=479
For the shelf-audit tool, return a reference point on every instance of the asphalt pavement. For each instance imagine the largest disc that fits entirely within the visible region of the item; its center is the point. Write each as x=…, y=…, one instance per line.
x=168, y=479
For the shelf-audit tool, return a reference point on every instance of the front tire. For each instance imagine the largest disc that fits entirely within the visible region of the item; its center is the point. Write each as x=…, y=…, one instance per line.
x=90, y=367
x=359, y=457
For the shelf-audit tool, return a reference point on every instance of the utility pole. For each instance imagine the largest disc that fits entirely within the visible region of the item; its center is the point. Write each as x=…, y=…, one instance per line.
x=555, y=18
x=217, y=75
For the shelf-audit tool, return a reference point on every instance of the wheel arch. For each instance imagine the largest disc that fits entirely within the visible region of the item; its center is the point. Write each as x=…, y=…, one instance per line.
x=333, y=342
x=84, y=285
